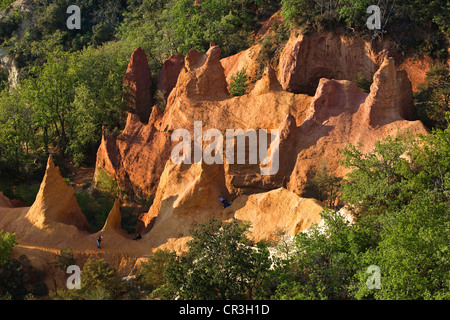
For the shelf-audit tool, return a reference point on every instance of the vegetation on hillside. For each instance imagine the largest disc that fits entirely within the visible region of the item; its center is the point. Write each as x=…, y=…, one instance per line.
x=402, y=21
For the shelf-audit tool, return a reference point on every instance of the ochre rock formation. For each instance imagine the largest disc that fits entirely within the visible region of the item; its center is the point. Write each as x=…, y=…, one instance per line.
x=56, y=202
x=317, y=129
x=267, y=26
x=276, y=213
x=394, y=100
x=136, y=157
x=416, y=69
x=306, y=59
x=247, y=59
x=138, y=79
x=203, y=76
x=168, y=76
x=114, y=221
x=341, y=114
x=188, y=195
x=55, y=221
x=309, y=98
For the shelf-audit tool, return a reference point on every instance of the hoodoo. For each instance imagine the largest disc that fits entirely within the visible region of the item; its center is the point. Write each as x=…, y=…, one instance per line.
x=138, y=80
x=56, y=202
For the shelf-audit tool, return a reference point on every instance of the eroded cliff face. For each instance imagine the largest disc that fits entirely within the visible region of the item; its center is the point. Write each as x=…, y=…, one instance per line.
x=197, y=90
x=308, y=58
x=313, y=128
x=136, y=157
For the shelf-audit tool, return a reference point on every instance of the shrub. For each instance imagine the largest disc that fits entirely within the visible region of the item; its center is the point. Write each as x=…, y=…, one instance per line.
x=96, y=210
x=99, y=281
x=363, y=83
x=152, y=271
x=220, y=264
x=238, y=85
x=7, y=243
x=65, y=258
x=432, y=101
x=108, y=186
x=17, y=275
x=324, y=186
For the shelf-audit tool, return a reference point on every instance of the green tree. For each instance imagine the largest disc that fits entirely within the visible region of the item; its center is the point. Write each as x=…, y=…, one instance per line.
x=238, y=85
x=218, y=265
x=363, y=83
x=52, y=101
x=97, y=99
x=99, y=281
x=324, y=186
x=16, y=132
x=412, y=255
x=325, y=259
x=65, y=258
x=382, y=179
x=432, y=100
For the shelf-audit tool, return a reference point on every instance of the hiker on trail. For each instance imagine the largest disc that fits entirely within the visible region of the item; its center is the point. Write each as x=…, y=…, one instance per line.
x=98, y=241
x=138, y=236
x=224, y=201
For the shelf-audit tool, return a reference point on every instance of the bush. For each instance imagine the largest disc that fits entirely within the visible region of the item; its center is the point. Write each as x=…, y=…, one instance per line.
x=152, y=271
x=65, y=258
x=96, y=210
x=98, y=282
x=324, y=186
x=107, y=186
x=325, y=260
x=27, y=193
x=363, y=83
x=7, y=243
x=5, y=3
x=432, y=100
x=238, y=85
x=220, y=264
x=17, y=275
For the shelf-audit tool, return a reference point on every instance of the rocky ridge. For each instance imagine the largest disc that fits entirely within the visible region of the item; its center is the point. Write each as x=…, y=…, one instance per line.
x=316, y=117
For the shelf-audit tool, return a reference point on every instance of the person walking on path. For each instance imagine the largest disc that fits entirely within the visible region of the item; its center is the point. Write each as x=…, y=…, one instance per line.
x=98, y=241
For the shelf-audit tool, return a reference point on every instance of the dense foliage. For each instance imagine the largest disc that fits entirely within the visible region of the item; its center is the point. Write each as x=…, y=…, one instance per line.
x=219, y=265
x=432, y=99
x=7, y=242
x=70, y=81
x=99, y=281
x=402, y=21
